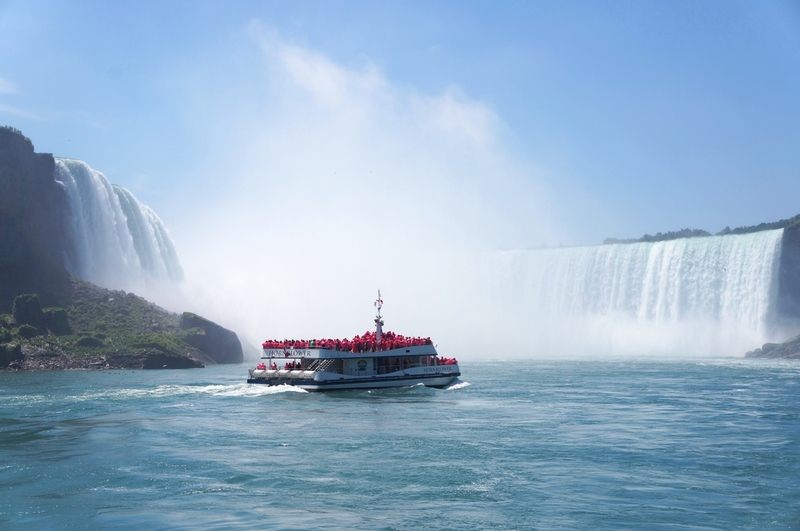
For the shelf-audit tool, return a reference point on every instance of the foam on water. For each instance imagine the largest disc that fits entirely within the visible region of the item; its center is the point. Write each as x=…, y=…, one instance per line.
x=458, y=384
x=165, y=391
x=161, y=392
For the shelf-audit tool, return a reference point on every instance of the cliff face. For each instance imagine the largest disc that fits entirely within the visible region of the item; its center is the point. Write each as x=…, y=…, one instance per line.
x=788, y=303
x=221, y=344
x=31, y=191
x=33, y=214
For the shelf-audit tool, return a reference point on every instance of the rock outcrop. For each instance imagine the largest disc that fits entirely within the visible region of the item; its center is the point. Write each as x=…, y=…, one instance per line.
x=787, y=350
x=105, y=329
x=28, y=311
x=221, y=344
x=10, y=355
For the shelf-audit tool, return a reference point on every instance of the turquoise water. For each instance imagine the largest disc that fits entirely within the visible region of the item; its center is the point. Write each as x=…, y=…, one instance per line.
x=621, y=444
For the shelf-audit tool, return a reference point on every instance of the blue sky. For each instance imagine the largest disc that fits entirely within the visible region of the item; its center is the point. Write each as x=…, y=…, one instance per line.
x=259, y=130
x=636, y=116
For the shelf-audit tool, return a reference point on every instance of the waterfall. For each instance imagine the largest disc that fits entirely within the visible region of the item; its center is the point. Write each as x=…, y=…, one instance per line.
x=722, y=287
x=117, y=242
x=154, y=247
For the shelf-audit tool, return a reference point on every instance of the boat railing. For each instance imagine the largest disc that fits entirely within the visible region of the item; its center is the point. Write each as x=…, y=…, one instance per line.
x=321, y=364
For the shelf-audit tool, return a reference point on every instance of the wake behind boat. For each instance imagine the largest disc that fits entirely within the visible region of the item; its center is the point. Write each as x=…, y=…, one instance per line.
x=374, y=360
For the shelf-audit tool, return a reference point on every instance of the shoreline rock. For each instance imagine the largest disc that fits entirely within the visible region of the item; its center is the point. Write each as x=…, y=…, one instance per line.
x=36, y=360
x=789, y=349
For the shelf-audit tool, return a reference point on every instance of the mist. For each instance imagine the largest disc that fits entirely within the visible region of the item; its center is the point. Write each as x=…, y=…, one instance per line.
x=324, y=183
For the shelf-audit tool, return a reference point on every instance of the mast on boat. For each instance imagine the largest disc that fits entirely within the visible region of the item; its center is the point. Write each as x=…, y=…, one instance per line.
x=378, y=318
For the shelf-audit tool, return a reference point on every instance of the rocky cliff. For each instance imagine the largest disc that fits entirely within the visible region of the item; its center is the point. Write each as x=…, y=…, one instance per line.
x=220, y=343
x=103, y=328
x=52, y=320
x=787, y=350
x=33, y=214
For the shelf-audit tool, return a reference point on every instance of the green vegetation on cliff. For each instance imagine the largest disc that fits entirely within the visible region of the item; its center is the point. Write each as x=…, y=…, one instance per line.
x=108, y=329
x=782, y=224
x=696, y=233
x=100, y=328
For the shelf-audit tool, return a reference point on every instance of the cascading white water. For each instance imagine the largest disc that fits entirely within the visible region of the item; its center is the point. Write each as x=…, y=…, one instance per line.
x=721, y=287
x=118, y=242
x=729, y=278
x=154, y=247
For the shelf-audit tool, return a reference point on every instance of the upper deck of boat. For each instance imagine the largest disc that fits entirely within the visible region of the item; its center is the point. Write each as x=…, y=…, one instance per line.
x=324, y=353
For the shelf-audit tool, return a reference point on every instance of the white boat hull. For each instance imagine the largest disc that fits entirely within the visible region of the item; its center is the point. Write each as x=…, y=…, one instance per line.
x=332, y=381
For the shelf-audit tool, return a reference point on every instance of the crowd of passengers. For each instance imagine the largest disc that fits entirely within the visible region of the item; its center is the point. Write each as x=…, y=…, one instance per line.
x=364, y=343
x=295, y=365
x=288, y=366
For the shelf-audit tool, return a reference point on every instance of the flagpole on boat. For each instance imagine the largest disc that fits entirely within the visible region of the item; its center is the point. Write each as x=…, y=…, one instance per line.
x=378, y=319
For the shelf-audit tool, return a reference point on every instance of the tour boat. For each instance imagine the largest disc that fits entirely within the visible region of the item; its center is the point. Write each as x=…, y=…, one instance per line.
x=372, y=361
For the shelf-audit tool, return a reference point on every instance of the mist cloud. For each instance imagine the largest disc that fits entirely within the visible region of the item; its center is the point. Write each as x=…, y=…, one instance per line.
x=330, y=181
x=324, y=182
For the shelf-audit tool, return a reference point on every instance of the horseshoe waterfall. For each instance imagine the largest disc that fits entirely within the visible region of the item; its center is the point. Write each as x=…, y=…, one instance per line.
x=707, y=295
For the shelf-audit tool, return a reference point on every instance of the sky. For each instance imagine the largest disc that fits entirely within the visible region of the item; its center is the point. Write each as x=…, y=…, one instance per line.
x=298, y=148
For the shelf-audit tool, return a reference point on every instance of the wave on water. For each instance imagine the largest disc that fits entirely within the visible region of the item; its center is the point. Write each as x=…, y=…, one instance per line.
x=235, y=390
x=211, y=390
x=688, y=444
x=410, y=390
x=168, y=391
x=789, y=367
